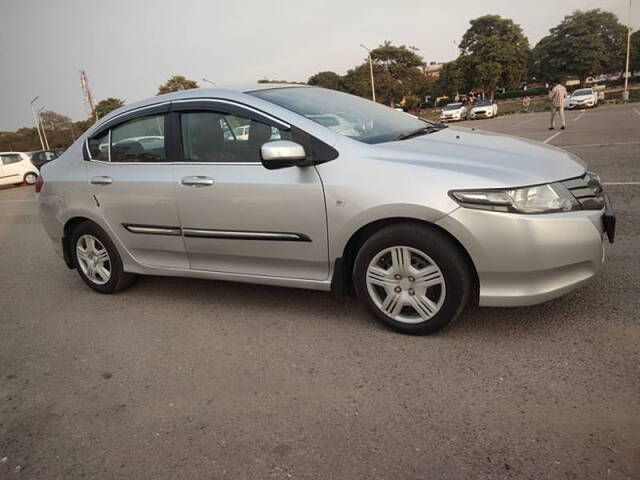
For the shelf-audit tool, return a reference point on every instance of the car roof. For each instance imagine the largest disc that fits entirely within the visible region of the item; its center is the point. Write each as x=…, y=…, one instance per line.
x=194, y=93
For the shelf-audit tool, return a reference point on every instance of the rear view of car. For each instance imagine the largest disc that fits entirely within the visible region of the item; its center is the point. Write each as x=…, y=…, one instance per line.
x=40, y=157
x=15, y=168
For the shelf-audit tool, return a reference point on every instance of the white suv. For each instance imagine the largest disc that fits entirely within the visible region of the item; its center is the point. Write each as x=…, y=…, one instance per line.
x=15, y=168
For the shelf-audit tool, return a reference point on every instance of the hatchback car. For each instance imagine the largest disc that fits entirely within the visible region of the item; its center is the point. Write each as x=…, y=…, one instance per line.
x=417, y=219
x=15, y=168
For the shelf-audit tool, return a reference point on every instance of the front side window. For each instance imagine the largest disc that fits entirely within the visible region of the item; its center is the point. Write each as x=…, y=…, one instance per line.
x=348, y=115
x=11, y=158
x=220, y=137
x=139, y=140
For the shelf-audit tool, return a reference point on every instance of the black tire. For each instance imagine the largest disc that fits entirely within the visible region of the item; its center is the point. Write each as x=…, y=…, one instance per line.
x=119, y=279
x=30, y=178
x=439, y=248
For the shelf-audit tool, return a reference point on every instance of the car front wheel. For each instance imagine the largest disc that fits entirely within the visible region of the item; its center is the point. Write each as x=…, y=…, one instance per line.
x=97, y=260
x=413, y=278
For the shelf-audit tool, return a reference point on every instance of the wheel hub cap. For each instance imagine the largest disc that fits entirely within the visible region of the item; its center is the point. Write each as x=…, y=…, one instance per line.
x=93, y=259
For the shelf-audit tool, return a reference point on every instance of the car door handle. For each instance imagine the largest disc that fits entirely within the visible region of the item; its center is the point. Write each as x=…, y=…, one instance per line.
x=197, y=181
x=101, y=180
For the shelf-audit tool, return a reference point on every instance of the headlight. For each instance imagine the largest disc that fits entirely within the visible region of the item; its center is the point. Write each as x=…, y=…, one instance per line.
x=550, y=198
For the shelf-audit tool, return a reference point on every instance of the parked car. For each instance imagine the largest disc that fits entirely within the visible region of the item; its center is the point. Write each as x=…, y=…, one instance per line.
x=583, y=97
x=454, y=111
x=418, y=219
x=40, y=157
x=15, y=168
x=484, y=109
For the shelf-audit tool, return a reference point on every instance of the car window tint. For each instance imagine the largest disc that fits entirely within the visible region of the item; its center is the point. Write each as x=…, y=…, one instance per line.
x=139, y=140
x=217, y=137
x=99, y=147
x=11, y=158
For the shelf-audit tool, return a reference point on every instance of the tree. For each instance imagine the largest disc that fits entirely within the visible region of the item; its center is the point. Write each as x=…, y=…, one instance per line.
x=108, y=105
x=634, y=60
x=494, y=52
x=176, y=83
x=326, y=80
x=584, y=44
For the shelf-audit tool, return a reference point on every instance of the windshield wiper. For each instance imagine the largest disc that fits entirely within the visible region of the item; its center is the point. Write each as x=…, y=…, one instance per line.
x=423, y=131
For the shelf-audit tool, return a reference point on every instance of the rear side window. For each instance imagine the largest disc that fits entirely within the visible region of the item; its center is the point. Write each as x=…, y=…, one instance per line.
x=11, y=158
x=99, y=147
x=139, y=140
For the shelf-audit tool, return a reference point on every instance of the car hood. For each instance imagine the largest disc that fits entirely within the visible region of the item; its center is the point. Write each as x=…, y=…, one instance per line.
x=487, y=159
x=481, y=107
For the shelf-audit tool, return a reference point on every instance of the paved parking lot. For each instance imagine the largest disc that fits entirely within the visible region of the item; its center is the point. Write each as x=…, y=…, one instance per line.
x=180, y=378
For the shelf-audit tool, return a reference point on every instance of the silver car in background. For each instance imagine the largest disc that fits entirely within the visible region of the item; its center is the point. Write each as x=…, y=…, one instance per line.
x=417, y=219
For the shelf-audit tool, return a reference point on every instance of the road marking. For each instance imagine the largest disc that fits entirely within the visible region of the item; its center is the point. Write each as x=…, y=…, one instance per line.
x=523, y=122
x=552, y=137
x=579, y=116
x=599, y=144
x=622, y=183
x=637, y=111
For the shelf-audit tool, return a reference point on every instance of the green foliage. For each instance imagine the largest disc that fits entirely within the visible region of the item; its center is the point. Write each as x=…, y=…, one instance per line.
x=451, y=80
x=108, y=105
x=532, y=92
x=494, y=52
x=326, y=80
x=583, y=44
x=176, y=83
x=634, y=60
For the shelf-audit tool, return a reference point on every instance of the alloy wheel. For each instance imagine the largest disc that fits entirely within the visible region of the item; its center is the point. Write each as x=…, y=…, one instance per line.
x=405, y=284
x=93, y=259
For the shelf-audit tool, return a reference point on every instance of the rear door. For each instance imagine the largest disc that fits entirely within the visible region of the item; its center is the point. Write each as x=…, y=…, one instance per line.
x=237, y=216
x=131, y=176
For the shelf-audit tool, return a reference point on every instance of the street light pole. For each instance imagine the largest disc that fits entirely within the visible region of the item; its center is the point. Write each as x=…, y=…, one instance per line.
x=373, y=87
x=625, y=93
x=209, y=81
x=44, y=133
x=35, y=119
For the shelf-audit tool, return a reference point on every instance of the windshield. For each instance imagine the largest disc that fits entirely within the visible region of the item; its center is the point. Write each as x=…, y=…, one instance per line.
x=584, y=91
x=452, y=106
x=348, y=115
x=482, y=103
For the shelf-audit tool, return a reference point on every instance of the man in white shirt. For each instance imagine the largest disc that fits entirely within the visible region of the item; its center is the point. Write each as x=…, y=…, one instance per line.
x=557, y=96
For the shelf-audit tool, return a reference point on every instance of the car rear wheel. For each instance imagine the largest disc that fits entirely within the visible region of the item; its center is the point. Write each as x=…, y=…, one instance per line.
x=97, y=260
x=413, y=278
x=30, y=178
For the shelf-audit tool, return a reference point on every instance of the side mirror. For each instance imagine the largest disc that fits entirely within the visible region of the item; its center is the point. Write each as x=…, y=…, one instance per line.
x=282, y=154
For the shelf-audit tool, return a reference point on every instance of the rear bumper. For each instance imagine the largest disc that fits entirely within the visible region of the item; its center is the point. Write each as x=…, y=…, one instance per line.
x=529, y=259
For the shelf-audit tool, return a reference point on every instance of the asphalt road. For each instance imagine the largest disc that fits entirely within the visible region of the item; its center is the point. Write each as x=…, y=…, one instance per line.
x=179, y=378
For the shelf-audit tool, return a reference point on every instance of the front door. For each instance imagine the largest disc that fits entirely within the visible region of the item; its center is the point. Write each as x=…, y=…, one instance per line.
x=237, y=216
x=131, y=176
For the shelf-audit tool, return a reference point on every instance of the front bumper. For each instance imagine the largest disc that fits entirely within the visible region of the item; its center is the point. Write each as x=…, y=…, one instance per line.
x=529, y=259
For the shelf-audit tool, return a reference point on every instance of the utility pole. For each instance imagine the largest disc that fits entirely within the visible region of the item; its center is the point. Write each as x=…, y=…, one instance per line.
x=88, y=97
x=35, y=119
x=44, y=133
x=625, y=93
x=373, y=87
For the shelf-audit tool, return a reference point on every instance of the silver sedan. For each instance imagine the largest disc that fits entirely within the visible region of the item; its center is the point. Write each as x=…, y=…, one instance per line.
x=311, y=188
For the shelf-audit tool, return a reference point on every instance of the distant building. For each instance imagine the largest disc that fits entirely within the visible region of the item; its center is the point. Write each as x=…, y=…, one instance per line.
x=432, y=70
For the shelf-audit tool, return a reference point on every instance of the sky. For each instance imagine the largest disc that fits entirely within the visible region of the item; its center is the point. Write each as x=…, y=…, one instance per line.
x=128, y=48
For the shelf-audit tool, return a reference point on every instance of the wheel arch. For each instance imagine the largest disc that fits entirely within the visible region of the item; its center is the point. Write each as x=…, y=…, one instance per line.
x=69, y=226
x=342, y=281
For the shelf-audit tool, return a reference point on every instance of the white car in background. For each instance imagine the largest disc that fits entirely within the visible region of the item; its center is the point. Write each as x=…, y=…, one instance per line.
x=484, y=109
x=583, y=97
x=16, y=168
x=454, y=111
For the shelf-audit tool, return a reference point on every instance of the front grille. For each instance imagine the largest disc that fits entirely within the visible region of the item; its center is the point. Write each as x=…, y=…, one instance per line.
x=587, y=192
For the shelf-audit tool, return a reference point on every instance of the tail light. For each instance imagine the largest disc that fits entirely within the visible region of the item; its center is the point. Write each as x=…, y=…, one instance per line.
x=39, y=183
